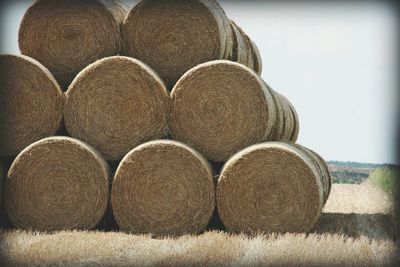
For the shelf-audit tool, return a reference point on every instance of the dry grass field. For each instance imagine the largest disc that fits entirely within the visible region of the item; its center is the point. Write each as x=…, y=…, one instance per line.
x=356, y=229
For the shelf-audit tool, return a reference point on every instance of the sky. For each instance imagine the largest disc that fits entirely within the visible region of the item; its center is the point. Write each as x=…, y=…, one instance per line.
x=336, y=62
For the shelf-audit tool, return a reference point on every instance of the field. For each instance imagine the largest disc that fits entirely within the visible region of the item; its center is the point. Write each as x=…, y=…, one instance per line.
x=356, y=229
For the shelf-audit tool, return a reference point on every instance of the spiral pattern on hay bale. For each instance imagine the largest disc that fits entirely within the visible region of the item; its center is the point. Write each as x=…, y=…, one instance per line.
x=57, y=183
x=172, y=36
x=68, y=35
x=30, y=103
x=115, y=104
x=163, y=188
x=272, y=187
x=221, y=107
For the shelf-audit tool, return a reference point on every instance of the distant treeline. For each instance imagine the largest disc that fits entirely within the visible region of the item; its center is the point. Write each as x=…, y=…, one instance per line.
x=353, y=164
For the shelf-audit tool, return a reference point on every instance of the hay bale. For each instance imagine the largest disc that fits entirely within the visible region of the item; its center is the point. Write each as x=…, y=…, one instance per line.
x=30, y=103
x=287, y=124
x=68, y=35
x=57, y=183
x=172, y=36
x=220, y=107
x=115, y=104
x=163, y=188
x=240, y=52
x=257, y=59
x=249, y=51
x=324, y=172
x=271, y=187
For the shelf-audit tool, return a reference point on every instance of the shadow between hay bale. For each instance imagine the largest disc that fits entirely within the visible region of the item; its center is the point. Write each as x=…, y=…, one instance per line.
x=173, y=36
x=68, y=35
x=271, y=187
x=221, y=107
x=30, y=103
x=57, y=183
x=115, y=104
x=163, y=188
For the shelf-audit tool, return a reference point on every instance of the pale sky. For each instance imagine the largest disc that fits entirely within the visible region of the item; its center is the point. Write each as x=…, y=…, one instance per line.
x=335, y=62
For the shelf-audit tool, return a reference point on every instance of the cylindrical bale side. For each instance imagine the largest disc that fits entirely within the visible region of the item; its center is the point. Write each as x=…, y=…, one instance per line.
x=115, y=104
x=296, y=130
x=248, y=47
x=68, y=35
x=172, y=36
x=270, y=187
x=163, y=188
x=221, y=107
x=30, y=103
x=257, y=59
x=239, y=48
x=287, y=127
x=325, y=174
x=57, y=183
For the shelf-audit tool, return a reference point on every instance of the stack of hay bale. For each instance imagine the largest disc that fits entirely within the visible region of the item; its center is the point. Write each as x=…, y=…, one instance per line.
x=111, y=82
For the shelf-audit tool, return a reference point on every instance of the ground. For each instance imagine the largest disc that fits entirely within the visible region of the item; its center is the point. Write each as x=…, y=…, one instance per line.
x=356, y=229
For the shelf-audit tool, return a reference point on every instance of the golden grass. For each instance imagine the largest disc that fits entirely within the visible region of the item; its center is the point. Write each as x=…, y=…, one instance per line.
x=364, y=198
x=341, y=238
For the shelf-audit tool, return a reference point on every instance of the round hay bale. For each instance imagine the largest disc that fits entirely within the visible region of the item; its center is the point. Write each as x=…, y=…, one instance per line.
x=239, y=49
x=324, y=171
x=57, y=183
x=296, y=129
x=248, y=51
x=221, y=107
x=68, y=35
x=172, y=36
x=286, y=128
x=257, y=59
x=163, y=188
x=115, y=104
x=270, y=187
x=30, y=103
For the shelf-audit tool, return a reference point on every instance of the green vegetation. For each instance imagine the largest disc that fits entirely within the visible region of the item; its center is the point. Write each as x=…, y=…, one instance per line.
x=348, y=176
x=386, y=177
x=352, y=164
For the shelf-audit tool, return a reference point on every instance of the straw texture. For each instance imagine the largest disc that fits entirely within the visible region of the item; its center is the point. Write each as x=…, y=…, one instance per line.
x=30, y=103
x=163, y=188
x=115, y=104
x=244, y=40
x=286, y=127
x=257, y=59
x=239, y=50
x=221, y=107
x=57, y=183
x=272, y=187
x=172, y=36
x=67, y=35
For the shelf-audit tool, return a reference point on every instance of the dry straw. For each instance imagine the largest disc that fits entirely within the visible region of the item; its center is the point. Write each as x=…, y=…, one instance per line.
x=248, y=53
x=67, y=35
x=173, y=36
x=30, y=103
x=220, y=107
x=287, y=124
x=272, y=187
x=115, y=104
x=57, y=183
x=163, y=188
